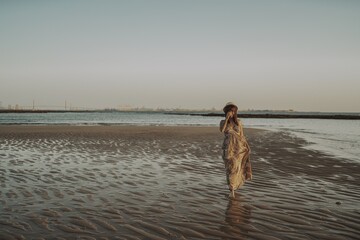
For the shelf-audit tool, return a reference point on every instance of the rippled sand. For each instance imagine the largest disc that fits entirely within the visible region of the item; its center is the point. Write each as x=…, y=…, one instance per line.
x=127, y=182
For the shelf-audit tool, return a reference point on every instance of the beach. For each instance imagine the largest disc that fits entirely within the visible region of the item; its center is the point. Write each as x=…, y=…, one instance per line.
x=168, y=182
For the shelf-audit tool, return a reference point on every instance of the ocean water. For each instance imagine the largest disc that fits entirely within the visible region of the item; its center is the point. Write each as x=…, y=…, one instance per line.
x=340, y=138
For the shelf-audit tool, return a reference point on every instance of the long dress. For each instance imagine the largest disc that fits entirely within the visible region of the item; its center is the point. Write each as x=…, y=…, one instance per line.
x=236, y=155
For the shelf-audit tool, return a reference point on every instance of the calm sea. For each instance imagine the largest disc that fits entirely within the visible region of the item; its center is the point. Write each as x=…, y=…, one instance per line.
x=340, y=138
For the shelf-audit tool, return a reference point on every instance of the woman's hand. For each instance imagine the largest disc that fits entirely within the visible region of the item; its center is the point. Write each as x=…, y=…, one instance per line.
x=229, y=115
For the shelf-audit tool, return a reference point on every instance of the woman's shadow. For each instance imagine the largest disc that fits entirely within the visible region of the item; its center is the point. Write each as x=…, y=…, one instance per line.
x=237, y=216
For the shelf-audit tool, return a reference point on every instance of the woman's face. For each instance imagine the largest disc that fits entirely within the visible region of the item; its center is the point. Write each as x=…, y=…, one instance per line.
x=231, y=112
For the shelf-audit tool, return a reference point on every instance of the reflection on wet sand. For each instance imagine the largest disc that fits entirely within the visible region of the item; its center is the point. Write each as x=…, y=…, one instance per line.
x=237, y=212
x=237, y=217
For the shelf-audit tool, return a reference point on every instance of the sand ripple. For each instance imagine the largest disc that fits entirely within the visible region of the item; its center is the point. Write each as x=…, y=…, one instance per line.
x=169, y=183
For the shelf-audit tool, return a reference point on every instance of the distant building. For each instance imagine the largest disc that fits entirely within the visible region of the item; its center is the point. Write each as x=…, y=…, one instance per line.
x=125, y=108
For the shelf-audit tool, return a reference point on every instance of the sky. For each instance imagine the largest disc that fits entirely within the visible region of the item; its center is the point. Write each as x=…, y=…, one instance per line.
x=278, y=54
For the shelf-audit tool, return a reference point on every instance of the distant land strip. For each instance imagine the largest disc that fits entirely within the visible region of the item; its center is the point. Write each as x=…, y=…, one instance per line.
x=347, y=116
x=276, y=115
x=45, y=111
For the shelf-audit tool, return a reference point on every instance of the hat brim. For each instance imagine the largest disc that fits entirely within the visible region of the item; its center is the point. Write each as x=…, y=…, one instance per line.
x=227, y=108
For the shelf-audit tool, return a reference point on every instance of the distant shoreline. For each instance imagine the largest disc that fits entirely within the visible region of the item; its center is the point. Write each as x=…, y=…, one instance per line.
x=47, y=111
x=283, y=115
x=258, y=114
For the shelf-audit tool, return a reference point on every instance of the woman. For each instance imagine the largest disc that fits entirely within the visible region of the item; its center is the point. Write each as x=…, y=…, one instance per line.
x=236, y=150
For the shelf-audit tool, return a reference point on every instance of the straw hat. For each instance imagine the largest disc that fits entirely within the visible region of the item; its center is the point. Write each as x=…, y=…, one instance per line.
x=228, y=106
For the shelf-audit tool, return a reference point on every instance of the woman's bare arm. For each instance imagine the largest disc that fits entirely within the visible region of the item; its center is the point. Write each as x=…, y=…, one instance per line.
x=224, y=123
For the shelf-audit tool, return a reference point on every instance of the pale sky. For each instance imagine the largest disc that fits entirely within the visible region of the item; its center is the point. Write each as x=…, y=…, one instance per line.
x=271, y=54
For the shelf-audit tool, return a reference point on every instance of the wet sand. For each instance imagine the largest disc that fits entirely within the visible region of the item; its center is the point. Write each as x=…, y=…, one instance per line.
x=134, y=182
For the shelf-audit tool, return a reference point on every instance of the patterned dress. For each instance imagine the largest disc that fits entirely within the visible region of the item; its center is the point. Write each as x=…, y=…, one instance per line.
x=236, y=155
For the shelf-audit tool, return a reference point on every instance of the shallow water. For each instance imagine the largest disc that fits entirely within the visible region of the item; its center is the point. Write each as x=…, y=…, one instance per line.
x=340, y=138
